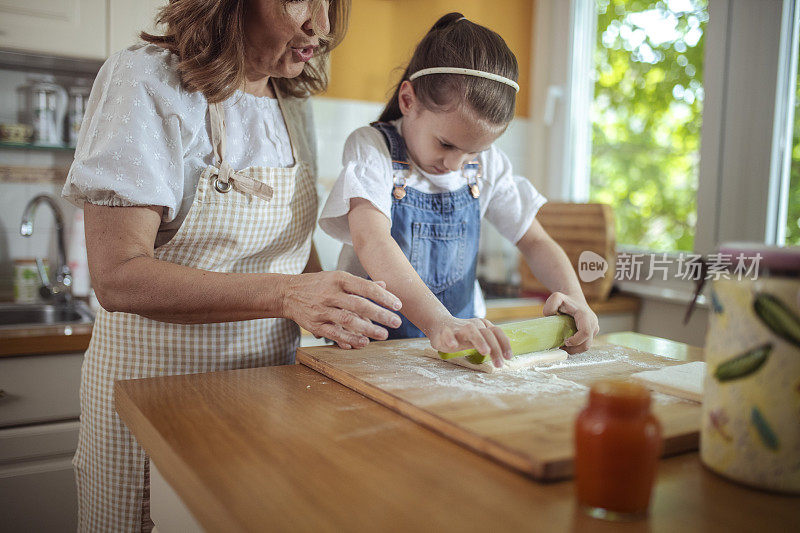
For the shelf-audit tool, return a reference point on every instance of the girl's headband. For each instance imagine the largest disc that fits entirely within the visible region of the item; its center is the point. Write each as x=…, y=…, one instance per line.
x=466, y=72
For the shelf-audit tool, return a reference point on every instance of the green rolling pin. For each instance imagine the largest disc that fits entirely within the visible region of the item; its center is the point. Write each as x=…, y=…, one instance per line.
x=527, y=336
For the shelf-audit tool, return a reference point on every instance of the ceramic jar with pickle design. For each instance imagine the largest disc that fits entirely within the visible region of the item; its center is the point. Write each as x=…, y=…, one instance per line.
x=751, y=407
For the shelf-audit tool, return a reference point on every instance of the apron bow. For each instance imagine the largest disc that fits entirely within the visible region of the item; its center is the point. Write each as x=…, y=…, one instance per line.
x=226, y=177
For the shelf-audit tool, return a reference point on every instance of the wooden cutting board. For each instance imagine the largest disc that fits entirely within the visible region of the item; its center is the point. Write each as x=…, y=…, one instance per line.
x=577, y=228
x=523, y=419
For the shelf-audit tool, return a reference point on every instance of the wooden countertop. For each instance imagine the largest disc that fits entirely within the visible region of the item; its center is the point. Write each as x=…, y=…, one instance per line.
x=288, y=447
x=44, y=339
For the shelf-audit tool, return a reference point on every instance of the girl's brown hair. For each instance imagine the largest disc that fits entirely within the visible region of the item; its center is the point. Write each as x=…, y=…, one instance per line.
x=208, y=38
x=456, y=42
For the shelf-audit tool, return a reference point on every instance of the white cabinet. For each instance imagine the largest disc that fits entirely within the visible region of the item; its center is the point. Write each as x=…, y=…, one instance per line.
x=88, y=29
x=39, y=425
x=39, y=388
x=127, y=18
x=167, y=510
x=37, y=483
x=72, y=28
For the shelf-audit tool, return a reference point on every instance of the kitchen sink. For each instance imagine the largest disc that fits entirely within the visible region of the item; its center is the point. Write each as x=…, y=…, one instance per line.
x=43, y=314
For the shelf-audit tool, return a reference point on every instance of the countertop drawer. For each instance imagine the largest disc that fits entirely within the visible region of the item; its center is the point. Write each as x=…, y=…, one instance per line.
x=39, y=388
x=26, y=443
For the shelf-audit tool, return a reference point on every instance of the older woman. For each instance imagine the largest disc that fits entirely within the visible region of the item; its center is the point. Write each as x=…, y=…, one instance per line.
x=195, y=167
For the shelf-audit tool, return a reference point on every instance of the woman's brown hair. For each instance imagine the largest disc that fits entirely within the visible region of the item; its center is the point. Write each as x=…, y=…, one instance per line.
x=456, y=42
x=208, y=38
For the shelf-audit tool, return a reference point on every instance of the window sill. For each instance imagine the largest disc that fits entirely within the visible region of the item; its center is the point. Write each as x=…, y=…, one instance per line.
x=677, y=294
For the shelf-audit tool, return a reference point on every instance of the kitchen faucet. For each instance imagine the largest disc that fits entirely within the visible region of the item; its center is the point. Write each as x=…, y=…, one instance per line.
x=61, y=290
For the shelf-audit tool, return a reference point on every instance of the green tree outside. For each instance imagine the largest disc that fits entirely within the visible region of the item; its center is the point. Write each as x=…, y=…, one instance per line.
x=793, y=212
x=646, y=118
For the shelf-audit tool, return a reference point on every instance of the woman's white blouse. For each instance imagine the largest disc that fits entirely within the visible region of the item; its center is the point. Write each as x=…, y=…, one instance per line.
x=145, y=139
x=509, y=202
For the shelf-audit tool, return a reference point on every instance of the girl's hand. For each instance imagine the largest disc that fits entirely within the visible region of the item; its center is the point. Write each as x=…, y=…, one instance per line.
x=455, y=334
x=585, y=320
x=337, y=305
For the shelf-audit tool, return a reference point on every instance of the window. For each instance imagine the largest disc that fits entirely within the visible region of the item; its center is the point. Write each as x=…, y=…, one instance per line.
x=675, y=112
x=646, y=118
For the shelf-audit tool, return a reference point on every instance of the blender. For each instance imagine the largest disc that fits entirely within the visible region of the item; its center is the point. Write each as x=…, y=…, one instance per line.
x=46, y=108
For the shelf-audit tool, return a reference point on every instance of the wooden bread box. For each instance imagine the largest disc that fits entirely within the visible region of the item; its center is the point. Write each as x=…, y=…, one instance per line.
x=577, y=227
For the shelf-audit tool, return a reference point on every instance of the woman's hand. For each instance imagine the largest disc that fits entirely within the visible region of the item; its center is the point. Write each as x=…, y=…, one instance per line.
x=337, y=305
x=585, y=320
x=455, y=334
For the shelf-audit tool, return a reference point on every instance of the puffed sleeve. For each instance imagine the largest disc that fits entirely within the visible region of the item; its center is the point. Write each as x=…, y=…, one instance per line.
x=514, y=201
x=366, y=173
x=130, y=149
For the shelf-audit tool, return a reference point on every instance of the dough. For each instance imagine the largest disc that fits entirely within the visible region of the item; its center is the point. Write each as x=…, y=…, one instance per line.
x=526, y=360
x=684, y=381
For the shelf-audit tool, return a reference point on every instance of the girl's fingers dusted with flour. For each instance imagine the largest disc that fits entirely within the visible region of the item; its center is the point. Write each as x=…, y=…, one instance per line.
x=502, y=339
x=494, y=346
x=460, y=334
x=470, y=335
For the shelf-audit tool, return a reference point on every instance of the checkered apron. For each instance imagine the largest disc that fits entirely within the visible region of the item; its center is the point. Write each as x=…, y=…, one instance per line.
x=256, y=220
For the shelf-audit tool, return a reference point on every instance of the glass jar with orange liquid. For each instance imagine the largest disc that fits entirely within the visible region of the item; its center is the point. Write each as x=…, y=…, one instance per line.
x=617, y=446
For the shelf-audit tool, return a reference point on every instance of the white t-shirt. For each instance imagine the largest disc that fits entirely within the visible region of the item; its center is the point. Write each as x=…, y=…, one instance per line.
x=145, y=139
x=509, y=202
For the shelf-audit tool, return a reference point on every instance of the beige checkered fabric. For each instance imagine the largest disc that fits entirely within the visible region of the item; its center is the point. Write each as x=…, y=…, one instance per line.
x=230, y=232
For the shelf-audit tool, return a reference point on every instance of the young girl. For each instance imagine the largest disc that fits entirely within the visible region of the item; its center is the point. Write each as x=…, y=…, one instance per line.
x=415, y=185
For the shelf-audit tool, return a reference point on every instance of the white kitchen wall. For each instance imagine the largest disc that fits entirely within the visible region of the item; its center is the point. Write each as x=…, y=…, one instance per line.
x=334, y=120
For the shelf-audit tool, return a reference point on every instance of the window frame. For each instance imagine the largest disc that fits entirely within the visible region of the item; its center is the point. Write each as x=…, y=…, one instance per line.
x=736, y=154
x=785, y=101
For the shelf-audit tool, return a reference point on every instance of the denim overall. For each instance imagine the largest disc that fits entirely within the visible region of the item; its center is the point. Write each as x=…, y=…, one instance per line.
x=438, y=233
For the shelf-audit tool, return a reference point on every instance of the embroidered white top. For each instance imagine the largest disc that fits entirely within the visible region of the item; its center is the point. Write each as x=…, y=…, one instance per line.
x=145, y=139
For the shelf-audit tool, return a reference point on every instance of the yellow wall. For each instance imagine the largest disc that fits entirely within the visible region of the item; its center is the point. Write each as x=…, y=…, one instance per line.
x=383, y=34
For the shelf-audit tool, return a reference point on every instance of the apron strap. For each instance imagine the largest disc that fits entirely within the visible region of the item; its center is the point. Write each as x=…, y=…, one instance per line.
x=217, y=131
x=226, y=176
x=289, y=123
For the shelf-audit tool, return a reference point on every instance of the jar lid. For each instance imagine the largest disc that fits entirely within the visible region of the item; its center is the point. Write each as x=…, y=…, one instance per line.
x=622, y=397
x=771, y=259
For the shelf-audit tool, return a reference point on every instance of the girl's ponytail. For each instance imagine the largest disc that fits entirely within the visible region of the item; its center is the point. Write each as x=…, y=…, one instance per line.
x=454, y=41
x=392, y=109
x=446, y=21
